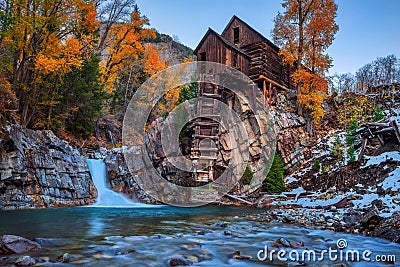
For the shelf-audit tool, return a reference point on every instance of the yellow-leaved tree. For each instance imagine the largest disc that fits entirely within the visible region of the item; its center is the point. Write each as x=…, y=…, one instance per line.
x=123, y=47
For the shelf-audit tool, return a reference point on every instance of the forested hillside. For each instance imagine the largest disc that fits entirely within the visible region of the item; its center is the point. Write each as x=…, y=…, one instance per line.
x=65, y=64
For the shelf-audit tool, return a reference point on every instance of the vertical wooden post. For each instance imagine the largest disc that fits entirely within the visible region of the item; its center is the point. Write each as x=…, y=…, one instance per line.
x=270, y=94
x=265, y=93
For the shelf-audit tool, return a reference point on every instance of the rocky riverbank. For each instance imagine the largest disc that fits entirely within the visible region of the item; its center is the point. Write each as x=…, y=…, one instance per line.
x=366, y=222
x=341, y=216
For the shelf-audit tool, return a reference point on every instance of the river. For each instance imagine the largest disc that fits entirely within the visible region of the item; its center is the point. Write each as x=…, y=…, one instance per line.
x=155, y=235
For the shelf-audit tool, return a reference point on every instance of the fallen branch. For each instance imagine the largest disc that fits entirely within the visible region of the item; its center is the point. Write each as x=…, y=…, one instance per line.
x=239, y=199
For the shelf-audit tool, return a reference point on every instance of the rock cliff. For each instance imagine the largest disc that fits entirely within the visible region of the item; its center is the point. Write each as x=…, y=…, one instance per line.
x=293, y=141
x=37, y=169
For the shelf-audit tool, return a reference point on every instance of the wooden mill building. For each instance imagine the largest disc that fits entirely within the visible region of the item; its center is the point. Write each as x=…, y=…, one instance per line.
x=244, y=48
x=241, y=47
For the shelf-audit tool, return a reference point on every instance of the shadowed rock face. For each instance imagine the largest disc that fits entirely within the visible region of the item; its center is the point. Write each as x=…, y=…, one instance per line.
x=292, y=145
x=37, y=169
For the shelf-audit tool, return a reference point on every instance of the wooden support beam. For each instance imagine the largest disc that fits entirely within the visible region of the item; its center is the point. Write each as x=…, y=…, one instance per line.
x=380, y=124
x=380, y=139
x=273, y=82
x=265, y=92
x=212, y=95
x=270, y=94
x=377, y=136
x=205, y=136
x=207, y=157
x=207, y=123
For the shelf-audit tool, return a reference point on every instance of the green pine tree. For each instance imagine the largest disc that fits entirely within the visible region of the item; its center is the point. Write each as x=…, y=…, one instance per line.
x=316, y=165
x=247, y=176
x=188, y=92
x=378, y=114
x=351, y=133
x=82, y=99
x=274, y=183
x=351, y=154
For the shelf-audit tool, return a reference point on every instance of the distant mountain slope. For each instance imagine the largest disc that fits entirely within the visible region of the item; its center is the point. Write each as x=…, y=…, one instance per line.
x=170, y=50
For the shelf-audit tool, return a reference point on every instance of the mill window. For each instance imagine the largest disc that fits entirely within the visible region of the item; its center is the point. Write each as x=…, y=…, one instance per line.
x=203, y=56
x=236, y=35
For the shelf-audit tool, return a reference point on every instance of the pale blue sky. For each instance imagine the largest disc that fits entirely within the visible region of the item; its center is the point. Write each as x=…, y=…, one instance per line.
x=368, y=28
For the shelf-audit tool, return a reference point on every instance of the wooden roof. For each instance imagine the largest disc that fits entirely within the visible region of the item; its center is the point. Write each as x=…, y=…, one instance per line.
x=227, y=43
x=258, y=33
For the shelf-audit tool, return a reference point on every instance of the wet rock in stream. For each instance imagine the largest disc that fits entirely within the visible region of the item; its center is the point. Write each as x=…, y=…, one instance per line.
x=25, y=261
x=12, y=244
x=237, y=256
x=65, y=258
x=179, y=260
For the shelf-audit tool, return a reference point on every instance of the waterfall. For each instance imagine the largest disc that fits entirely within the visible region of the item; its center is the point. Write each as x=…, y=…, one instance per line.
x=105, y=196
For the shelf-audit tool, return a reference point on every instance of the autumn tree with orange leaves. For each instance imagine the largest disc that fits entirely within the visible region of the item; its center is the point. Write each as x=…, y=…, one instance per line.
x=304, y=31
x=131, y=75
x=152, y=61
x=42, y=41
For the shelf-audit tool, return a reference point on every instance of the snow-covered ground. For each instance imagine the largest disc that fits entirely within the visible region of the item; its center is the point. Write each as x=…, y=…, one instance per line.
x=391, y=200
x=376, y=160
x=394, y=114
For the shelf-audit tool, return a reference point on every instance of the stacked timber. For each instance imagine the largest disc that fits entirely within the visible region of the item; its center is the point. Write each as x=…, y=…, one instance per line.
x=266, y=61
